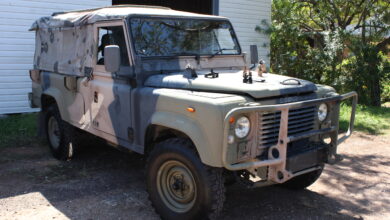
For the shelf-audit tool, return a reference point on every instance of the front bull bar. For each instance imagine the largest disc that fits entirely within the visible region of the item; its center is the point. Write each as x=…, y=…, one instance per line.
x=277, y=166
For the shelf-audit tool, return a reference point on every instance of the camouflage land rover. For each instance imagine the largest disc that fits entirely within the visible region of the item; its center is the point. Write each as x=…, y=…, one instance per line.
x=176, y=87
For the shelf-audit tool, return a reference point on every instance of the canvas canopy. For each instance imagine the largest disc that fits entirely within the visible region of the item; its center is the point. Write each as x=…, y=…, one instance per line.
x=68, y=51
x=65, y=42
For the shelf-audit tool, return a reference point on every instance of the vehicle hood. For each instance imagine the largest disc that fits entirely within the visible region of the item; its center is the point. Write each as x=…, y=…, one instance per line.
x=268, y=85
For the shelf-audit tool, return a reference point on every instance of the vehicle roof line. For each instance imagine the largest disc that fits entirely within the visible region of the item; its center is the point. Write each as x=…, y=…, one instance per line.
x=113, y=6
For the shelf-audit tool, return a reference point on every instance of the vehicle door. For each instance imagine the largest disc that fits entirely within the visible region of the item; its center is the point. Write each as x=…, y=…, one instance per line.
x=111, y=92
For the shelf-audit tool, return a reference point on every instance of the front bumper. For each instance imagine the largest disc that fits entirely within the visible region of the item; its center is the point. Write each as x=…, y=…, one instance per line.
x=277, y=166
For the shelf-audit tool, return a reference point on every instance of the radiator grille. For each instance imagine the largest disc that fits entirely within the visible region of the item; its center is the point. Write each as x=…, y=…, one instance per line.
x=299, y=120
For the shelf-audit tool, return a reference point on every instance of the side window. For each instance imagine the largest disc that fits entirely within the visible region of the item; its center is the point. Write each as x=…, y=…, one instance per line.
x=225, y=41
x=112, y=36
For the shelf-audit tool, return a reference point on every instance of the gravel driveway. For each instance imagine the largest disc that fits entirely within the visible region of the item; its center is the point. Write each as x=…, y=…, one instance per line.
x=103, y=183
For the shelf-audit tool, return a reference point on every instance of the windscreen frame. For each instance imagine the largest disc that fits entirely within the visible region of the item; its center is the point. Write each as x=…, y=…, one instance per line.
x=132, y=43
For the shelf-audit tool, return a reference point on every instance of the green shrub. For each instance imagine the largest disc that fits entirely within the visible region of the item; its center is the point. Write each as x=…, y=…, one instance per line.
x=309, y=40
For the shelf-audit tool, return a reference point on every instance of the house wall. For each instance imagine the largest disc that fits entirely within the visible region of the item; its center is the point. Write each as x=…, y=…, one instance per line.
x=17, y=45
x=245, y=15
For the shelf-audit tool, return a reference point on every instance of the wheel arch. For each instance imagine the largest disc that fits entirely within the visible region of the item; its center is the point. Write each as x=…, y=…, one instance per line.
x=47, y=100
x=52, y=96
x=165, y=125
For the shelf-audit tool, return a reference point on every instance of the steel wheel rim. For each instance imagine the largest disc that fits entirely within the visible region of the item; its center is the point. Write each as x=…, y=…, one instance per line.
x=54, y=132
x=176, y=186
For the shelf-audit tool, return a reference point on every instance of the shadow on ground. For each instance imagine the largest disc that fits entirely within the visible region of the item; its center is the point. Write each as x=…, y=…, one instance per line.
x=104, y=183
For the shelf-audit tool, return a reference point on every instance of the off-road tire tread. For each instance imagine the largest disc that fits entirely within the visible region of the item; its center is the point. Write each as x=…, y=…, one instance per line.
x=67, y=140
x=218, y=187
x=303, y=181
x=215, y=177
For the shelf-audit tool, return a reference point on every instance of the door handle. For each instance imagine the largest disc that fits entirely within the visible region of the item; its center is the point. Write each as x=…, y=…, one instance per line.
x=95, y=97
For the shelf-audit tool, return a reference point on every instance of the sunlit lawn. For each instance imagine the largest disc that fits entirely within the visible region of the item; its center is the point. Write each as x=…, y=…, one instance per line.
x=369, y=119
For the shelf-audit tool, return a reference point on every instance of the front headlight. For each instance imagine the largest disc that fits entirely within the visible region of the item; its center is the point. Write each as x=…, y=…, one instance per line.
x=322, y=112
x=242, y=127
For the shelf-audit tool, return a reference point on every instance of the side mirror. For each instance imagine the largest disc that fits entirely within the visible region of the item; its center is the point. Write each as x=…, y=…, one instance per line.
x=254, y=54
x=112, y=58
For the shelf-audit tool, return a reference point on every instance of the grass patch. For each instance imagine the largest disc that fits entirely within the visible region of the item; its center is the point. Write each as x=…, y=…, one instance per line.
x=18, y=129
x=369, y=119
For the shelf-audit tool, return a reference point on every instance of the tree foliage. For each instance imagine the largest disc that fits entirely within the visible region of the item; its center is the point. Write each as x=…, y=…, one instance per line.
x=341, y=43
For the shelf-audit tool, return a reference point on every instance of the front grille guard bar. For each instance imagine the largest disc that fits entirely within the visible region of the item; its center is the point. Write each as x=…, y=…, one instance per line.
x=277, y=166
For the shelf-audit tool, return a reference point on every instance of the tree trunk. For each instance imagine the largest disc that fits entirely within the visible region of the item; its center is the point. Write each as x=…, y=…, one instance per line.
x=375, y=91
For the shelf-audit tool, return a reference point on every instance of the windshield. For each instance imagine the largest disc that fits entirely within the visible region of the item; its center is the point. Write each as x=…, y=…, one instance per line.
x=175, y=37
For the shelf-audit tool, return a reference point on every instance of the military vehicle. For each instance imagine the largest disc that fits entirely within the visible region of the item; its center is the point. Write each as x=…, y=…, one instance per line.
x=177, y=87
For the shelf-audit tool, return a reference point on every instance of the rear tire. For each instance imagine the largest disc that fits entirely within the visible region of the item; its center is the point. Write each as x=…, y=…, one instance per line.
x=303, y=181
x=180, y=186
x=60, y=135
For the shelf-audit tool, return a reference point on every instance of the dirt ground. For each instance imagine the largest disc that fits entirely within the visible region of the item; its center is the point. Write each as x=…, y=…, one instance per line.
x=103, y=183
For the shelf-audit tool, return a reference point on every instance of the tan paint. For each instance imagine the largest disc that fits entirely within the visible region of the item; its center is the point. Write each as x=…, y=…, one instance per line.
x=208, y=154
x=70, y=104
x=101, y=103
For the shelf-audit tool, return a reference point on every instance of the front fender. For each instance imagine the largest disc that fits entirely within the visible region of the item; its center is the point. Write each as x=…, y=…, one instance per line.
x=208, y=153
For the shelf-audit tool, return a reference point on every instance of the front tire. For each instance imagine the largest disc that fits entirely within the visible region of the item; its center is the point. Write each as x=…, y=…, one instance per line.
x=303, y=181
x=180, y=186
x=59, y=134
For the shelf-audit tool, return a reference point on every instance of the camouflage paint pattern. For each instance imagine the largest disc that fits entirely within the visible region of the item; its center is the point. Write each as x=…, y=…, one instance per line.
x=123, y=109
x=64, y=50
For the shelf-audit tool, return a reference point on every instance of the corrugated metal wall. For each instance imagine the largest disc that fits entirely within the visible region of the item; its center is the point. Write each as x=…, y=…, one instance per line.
x=17, y=45
x=198, y=6
x=245, y=16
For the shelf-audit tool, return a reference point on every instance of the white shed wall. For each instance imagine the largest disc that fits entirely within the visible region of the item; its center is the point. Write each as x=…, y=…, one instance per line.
x=17, y=45
x=245, y=15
